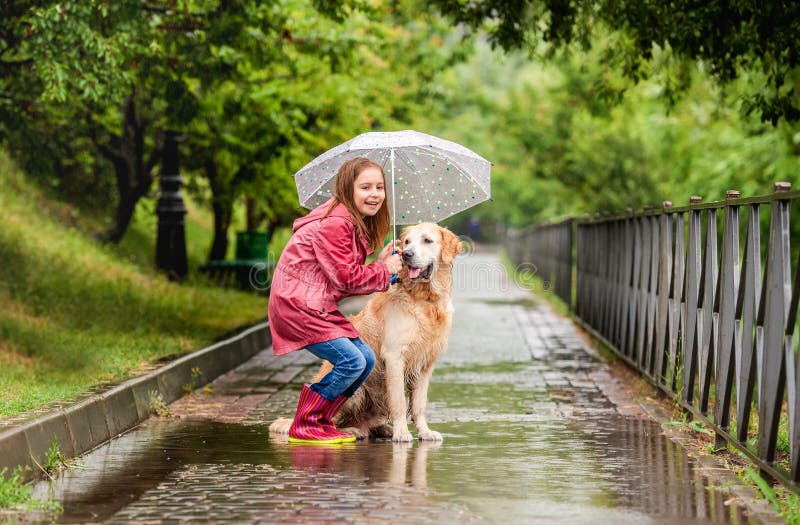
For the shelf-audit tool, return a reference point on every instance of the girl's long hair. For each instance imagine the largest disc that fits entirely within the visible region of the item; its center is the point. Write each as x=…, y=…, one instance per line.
x=375, y=227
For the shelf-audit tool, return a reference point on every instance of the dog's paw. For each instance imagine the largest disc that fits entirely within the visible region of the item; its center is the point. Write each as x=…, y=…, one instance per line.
x=430, y=435
x=359, y=432
x=402, y=436
x=384, y=431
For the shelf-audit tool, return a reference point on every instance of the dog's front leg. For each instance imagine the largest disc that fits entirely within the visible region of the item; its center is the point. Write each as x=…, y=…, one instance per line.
x=396, y=396
x=419, y=404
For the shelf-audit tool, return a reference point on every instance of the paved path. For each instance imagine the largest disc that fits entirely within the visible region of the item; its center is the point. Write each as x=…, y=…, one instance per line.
x=536, y=428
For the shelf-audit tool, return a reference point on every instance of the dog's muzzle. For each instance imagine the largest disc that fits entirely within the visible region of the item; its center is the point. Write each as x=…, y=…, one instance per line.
x=420, y=273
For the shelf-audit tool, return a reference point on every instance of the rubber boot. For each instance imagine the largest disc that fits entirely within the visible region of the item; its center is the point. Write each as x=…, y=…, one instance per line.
x=310, y=425
x=327, y=421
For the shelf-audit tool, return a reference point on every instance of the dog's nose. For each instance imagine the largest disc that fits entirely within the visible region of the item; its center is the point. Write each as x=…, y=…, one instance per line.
x=408, y=255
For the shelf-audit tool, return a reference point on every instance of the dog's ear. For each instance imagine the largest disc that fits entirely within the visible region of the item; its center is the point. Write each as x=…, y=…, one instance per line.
x=403, y=234
x=403, y=268
x=451, y=245
x=402, y=237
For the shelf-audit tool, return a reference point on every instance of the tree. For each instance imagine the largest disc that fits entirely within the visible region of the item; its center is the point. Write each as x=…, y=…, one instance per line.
x=729, y=38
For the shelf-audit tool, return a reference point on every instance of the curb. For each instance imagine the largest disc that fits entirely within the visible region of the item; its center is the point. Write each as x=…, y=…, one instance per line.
x=93, y=421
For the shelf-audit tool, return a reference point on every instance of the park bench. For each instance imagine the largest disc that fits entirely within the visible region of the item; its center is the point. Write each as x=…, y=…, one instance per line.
x=251, y=269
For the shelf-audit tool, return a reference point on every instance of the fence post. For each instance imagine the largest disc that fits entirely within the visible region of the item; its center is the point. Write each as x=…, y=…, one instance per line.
x=725, y=308
x=772, y=321
x=663, y=292
x=691, y=296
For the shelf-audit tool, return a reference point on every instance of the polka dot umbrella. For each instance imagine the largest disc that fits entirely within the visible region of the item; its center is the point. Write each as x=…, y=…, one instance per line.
x=428, y=178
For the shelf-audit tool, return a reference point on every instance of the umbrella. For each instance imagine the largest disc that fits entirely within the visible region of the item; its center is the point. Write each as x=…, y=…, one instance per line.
x=430, y=178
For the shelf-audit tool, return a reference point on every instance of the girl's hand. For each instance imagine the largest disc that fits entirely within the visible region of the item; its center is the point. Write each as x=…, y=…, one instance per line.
x=392, y=261
x=387, y=251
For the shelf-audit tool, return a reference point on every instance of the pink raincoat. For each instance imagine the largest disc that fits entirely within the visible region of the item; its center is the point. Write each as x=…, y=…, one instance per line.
x=322, y=264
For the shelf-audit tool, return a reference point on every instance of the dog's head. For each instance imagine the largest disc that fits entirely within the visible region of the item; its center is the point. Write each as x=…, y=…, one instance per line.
x=426, y=248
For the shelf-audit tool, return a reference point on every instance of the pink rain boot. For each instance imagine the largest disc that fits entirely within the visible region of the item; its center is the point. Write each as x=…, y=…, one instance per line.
x=328, y=423
x=311, y=424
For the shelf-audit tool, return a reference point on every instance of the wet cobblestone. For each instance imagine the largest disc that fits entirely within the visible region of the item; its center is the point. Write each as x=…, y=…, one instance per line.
x=262, y=494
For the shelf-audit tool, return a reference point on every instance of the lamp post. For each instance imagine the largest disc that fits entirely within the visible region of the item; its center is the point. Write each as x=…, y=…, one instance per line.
x=171, y=240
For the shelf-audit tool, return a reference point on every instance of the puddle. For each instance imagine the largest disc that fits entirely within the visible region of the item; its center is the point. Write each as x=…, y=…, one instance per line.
x=511, y=454
x=528, y=302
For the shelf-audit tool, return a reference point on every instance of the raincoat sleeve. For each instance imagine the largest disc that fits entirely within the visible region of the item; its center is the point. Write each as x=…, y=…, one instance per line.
x=343, y=266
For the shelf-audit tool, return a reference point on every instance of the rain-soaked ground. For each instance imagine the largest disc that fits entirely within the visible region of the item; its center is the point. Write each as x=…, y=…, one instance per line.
x=531, y=435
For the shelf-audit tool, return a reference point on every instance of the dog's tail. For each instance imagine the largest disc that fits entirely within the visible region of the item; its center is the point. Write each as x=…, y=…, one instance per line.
x=280, y=425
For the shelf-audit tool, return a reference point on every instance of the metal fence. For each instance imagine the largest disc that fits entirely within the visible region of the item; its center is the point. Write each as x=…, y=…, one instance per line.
x=694, y=300
x=549, y=249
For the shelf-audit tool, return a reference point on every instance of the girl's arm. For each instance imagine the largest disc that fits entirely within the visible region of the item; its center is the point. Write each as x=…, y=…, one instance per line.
x=333, y=246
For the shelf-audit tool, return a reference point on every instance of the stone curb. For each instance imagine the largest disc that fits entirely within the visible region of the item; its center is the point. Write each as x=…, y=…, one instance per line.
x=93, y=421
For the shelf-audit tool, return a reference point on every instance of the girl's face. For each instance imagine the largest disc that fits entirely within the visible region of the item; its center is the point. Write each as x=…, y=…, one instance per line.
x=369, y=191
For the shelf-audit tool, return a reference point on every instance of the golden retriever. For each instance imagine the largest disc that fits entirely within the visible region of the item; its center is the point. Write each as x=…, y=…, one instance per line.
x=407, y=327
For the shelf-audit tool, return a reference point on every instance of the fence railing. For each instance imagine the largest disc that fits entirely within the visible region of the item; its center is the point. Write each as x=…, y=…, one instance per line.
x=549, y=249
x=694, y=300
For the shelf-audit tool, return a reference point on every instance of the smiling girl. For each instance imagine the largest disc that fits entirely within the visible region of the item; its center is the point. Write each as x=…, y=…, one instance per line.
x=322, y=264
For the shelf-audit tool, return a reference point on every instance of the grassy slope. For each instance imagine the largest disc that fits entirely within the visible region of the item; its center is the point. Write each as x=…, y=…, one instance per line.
x=74, y=313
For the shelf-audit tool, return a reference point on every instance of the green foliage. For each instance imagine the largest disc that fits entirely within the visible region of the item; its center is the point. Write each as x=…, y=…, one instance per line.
x=62, y=51
x=54, y=460
x=157, y=404
x=195, y=374
x=15, y=495
x=13, y=490
x=729, y=40
x=561, y=148
x=784, y=501
x=698, y=426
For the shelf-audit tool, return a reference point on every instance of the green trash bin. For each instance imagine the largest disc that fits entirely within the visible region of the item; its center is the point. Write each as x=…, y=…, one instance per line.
x=251, y=264
x=252, y=245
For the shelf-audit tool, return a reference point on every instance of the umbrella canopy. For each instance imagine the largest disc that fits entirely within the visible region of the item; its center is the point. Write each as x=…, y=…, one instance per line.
x=428, y=178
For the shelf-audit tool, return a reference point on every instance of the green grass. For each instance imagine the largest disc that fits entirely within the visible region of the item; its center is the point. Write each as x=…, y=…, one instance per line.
x=535, y=284
x=15, y=495
x=74, y=312
x=785, y=502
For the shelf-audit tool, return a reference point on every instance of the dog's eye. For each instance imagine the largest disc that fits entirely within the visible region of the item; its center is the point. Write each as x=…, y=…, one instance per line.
x=407, y=241
x=428, y=241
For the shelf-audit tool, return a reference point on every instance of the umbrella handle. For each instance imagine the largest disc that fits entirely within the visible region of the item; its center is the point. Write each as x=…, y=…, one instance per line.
x=393, y=278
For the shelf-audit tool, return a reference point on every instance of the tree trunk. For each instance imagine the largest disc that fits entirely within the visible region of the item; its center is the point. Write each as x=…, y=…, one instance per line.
x=222, y=205
x=126, y=207
x=134, y=175
x=255, y=217
x=272, y=226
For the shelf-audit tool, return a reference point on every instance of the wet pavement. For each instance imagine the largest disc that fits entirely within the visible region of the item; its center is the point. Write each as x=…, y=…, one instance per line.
x=536, y=430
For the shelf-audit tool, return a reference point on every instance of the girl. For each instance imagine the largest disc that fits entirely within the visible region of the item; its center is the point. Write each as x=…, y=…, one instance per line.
x=323, y=263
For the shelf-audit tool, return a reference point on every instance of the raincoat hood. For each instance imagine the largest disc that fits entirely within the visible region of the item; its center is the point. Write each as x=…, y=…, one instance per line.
x=319, y=212
x=339, y=211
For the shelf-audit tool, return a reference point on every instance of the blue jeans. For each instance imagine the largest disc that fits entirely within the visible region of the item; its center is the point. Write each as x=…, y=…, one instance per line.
x=352, y=361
